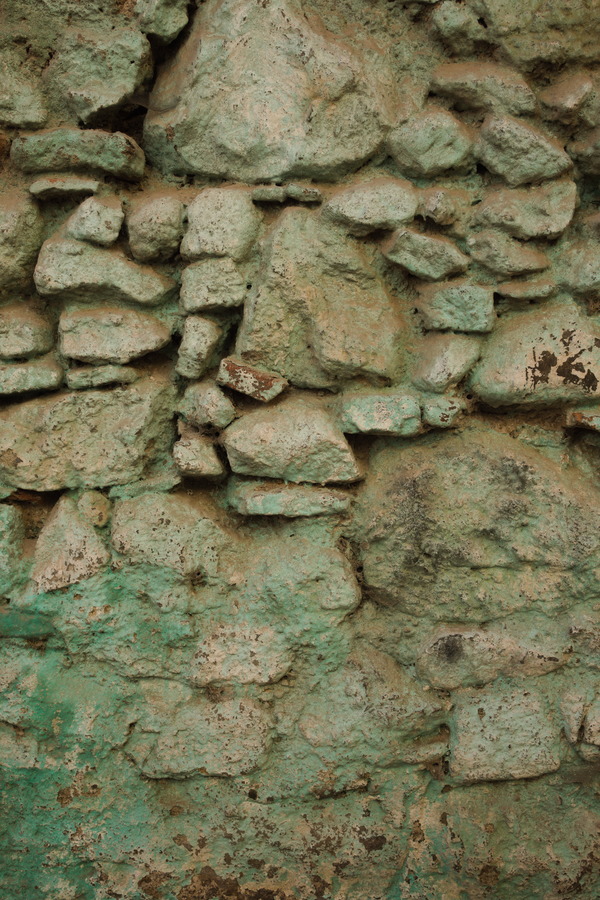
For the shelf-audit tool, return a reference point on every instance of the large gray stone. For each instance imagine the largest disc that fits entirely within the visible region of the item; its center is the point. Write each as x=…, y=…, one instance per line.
x=484, y=85
x=86, y=439
x=221, y=222
x=23, y=332
x=431, y=142
x=474, y=526
x=292, y=99
x=543, y=211
x=519, y=152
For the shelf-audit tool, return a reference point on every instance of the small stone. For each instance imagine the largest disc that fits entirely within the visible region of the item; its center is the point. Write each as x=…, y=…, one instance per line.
x=98, y=71
x=256, y=383
x=458, y=26
x=21, y=101
x=500, y=253
x=23, y=332
x=251, y=497
x=543, y=211
x=564, y=99
x=519, y=152
x=97, y=220
x=163, y=19
x=457, y=305
x=442, y=412
x=212, y=284
x=586, y=152
x=59, y=186
x=172, y=530
x=155, y=228
x=21, y=234
x=444, y=359
x=532, y=289
x=95, y=508
x=68, y=549
x=99, y=376
x=110, y=334
x=73, y=269
x=69, y=440
x=201, y=338
x=427, y=257
x=484, y=85
x=62, y=149
x=502, y=733
x=43, y=374
x=540, y=357
x=204, y=403
x=295, y=440
x=380, y=412
x=429, y=143
x=195, y=455
x=221, y=222
x=372, y=205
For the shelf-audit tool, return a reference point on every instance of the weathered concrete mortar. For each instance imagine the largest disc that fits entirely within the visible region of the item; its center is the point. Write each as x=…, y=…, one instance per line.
x=299, y=450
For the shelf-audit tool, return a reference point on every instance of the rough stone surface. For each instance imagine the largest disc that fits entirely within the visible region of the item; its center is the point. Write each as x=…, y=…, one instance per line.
x=316, y=299
x=43, y=374
x=427, y=257
x=260, y=131
x=23, y=332
x=459, y=305
x=252, y=497
x=97, y=220
x=97, y=71
x=199, y=343
x=505, y=255
x=212, y=284
x=110, y=335
x=431, y=142
x=539, y=358
x=21, y=229
x=155, y=228
x=485, y=86
x=77, y=441
x=256, y=383
x=363, y=665
x=69, y=148
x=295, y=440
x=372, y=205
x=220, y=223
x=389, y=412
x=78, y=271
x=519, y=152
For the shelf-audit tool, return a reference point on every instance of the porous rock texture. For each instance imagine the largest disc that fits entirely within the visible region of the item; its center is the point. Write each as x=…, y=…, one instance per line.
x=299, y=450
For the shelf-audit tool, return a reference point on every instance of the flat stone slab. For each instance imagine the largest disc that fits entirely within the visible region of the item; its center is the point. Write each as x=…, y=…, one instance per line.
x=251, y=497
x=110, y=334
x=76, y=270
x=64, y=149
x=246, y=379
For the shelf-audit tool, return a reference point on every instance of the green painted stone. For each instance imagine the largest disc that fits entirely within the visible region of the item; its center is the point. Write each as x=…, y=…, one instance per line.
x=500, y=253
x=380, y=412
x=43, y=374
x=519, y=152
x=431, y=142
x=430, y=258
x=110, y=334
x=484, y=85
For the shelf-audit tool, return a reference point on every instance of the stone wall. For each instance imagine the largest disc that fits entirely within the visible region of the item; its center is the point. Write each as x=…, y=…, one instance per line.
x=299, y=450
